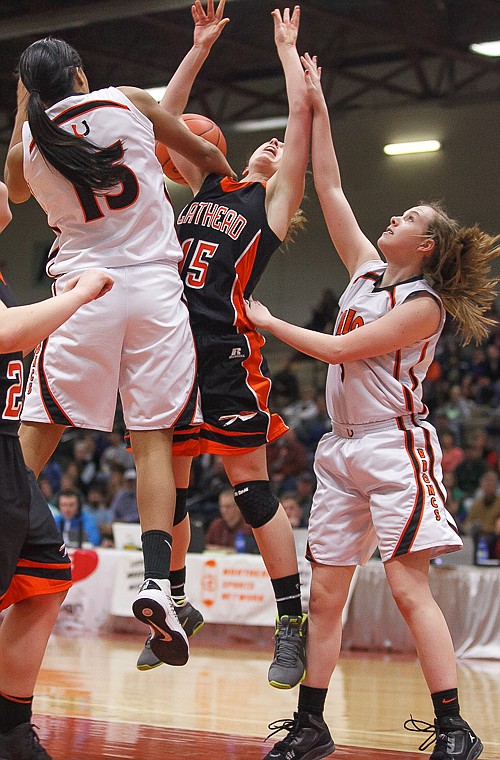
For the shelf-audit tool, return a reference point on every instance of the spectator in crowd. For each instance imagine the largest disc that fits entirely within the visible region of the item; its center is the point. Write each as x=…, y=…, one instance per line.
x=84, y=454
x=69, y=476
x=45, y=486
x=324, y=313
x=53, y=472
x=488, y=382
x=488, y=451
x=285, y=387
x=494, y=541
x=208, y=479
x=115, y=482
x=301, y=411
x=116, y=453
x=96, y=505
x=293, y=510
x=306, y=483
x=457, y=411
x=485, y=509
x=124, y=504
x=471, y=469
x=454, y=499
x=221, y=532
x=312, y=429
x=76, y=526
x=452, y=454
x=286, y=458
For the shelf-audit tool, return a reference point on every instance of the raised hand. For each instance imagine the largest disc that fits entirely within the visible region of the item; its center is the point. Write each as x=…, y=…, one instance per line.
x=286, y=27
x=312, y=74
x=208, y=24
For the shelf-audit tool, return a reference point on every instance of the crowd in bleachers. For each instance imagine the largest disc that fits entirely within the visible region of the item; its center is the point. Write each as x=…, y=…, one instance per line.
x=462, y=392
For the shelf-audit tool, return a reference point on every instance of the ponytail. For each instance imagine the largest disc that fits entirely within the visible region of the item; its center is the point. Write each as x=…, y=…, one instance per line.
x=47, y=69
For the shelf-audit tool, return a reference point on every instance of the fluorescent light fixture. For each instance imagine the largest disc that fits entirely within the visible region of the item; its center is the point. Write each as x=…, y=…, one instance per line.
x=422, y=146
x=156, y=92
x=486, y=48
x=255, y=125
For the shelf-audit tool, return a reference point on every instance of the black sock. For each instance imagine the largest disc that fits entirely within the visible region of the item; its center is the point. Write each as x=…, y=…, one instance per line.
x=446, y=703
x=287, y=593
x=14, y=711
x=177, y=581
x=157, y=549
x=312, y=700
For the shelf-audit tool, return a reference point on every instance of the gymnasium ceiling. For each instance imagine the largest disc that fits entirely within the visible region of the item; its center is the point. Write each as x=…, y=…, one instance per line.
x=374, y=53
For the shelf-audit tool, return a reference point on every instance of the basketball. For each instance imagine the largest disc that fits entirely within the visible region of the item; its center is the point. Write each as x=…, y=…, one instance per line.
x=198, y=125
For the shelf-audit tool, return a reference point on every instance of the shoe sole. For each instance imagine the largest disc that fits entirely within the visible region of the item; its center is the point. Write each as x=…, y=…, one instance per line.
x=146, y=666
x=475, y=751
x=315, y=754
x=173, y=650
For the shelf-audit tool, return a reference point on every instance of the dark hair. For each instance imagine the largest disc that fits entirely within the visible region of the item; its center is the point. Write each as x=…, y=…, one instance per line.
x=71, y=492
x=47, y=69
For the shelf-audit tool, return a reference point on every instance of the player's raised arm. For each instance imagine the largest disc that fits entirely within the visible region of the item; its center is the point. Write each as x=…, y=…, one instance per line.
x=352, y=245
x=285, y=189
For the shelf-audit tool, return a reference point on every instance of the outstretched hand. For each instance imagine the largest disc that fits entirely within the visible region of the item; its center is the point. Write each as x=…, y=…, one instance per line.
x=286, y=27
x=208, y=24
x=312, y=74
x=92, y=284
x=257, y=313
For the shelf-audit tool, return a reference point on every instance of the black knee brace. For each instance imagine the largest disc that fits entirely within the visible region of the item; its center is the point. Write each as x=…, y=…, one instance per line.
x=257, y=503
x=180, y=505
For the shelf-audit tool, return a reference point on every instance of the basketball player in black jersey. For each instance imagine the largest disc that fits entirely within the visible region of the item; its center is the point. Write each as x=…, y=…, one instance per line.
x=35, y=570
x=228, y=233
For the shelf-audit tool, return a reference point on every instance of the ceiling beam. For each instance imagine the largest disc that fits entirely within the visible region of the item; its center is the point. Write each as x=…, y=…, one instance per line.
x=69, y=17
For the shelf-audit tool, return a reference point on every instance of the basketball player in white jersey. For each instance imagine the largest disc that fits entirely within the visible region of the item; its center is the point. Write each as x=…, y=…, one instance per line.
x=88, y=158
x=379, y=470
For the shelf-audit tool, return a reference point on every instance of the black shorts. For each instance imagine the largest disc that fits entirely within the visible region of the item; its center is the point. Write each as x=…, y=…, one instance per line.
x=33, y=558
x=235, y=384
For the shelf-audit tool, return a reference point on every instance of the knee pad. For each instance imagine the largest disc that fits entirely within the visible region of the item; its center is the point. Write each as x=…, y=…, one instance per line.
x=257, y=503
x=180, y=505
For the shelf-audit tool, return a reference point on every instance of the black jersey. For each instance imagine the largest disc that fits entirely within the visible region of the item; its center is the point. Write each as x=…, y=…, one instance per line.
x=11, y=378
x=227, y=243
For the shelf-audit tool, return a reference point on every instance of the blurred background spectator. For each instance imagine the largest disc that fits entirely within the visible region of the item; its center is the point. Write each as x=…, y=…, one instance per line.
x=485, y=508
x=293, y=510
x=222, y=531
x=77, y=527
x=124, y=503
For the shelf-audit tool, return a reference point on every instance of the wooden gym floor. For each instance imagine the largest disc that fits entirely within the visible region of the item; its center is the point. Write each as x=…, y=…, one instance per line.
x=91, y=702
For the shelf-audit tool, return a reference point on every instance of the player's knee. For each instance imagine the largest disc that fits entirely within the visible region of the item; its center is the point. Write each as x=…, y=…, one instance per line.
x=180, y=505
x=257, y=503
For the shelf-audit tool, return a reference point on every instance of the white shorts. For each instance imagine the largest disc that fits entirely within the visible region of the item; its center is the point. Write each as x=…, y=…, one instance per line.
x=383, y=488
x=135, y=340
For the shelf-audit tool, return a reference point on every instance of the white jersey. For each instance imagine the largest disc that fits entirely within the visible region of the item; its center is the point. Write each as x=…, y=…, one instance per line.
x=134, y=223
x=387, y=386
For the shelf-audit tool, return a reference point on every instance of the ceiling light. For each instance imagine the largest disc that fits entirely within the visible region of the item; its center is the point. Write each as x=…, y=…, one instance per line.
x=422, y=146
x=486, y=48
x=255, y=125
